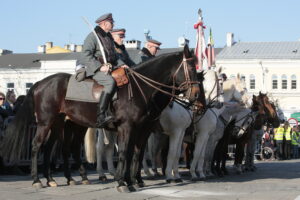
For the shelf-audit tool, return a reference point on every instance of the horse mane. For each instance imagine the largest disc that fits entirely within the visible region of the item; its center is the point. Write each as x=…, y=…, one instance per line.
x=154, y=60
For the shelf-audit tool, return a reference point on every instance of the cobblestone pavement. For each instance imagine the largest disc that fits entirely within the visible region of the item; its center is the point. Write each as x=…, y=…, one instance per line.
x=273, y=180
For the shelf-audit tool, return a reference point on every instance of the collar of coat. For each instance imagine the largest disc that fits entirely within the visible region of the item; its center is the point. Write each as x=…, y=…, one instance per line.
x=122, y=47
x=101, y=32
x=147, y=52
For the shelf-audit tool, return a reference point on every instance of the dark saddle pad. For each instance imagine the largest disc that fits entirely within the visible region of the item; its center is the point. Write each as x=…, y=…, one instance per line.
x=87, y=90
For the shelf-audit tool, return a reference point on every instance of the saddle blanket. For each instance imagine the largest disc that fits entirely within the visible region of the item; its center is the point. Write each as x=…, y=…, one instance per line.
x=82, y=91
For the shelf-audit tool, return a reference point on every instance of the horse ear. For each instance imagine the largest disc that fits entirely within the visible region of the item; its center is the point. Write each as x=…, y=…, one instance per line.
x=219, y=70
x=186, y=51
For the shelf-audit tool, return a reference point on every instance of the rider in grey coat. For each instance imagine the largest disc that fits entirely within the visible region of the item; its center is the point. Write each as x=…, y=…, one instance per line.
x=149, y=51
x=94, y=66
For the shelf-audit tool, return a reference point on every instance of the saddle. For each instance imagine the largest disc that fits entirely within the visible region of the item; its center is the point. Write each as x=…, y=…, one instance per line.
x=87, y=89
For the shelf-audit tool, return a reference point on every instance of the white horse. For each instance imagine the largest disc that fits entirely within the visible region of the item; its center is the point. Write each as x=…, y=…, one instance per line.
x=243, y=118
x=105, y=145
x=95, y=151
x=234, y=90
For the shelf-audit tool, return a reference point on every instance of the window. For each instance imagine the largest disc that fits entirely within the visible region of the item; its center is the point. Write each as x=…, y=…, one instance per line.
x=293, y=82
x=274, y=82
x=232, y=76
x=252, y=82
x=243, y=77
x=10, y=86
x=28, y=86
x=283, y=82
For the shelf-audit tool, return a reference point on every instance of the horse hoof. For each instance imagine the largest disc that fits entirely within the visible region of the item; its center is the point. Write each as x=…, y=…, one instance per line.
x=72, y=182
x=178, y=180
x=123, y=189
x=52, y=184
x=85, y=182
x=102, y=178
x=169, y=180
x=131, y=188
x=194, y=179
x=37, y=185
x=202, y=179
x=141, y=185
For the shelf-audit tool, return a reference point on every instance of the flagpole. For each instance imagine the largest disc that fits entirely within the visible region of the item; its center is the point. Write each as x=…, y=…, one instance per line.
x=200, y=32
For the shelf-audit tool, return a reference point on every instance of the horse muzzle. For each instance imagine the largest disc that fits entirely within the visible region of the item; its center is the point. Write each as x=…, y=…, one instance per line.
x=194, y=93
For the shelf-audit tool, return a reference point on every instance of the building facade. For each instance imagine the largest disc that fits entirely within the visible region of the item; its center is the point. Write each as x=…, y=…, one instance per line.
x=272, y=67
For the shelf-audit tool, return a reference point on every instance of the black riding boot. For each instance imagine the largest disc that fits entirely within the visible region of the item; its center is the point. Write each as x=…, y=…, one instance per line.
x=102, y=118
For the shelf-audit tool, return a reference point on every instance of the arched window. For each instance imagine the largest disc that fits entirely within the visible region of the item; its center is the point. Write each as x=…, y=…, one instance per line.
x=274, y=82
x=293, y=82
x=252, y=82
x=283, y=82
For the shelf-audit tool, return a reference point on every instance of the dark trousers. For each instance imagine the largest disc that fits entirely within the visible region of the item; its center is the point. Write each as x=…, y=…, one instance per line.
x=295, y=151
x=279, y=149
x=287, y=149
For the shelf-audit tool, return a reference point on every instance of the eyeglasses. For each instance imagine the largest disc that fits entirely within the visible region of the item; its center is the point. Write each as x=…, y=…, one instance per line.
x=2, y=98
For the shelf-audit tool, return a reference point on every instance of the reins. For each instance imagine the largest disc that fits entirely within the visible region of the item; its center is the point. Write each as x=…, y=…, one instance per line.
x=156, y=85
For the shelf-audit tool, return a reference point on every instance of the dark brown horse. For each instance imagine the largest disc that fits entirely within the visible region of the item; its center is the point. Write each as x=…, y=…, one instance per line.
x=45, y=102
x=266, y=114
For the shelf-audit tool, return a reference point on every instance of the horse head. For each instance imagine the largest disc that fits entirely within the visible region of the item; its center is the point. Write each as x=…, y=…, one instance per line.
x=240, y=92
x=270, y=110
x=185, y=76
x=213, y=89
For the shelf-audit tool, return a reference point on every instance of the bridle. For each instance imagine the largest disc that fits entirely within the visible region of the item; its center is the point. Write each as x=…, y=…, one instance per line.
x=187, y=84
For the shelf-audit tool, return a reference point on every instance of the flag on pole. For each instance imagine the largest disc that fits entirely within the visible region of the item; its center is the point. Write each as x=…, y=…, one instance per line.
x=210, y=50
x=200, y=44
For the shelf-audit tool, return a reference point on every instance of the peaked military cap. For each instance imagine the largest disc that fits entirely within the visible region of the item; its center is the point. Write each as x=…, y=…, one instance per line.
x=123, y=30
x=154, y=41
x=107, y=16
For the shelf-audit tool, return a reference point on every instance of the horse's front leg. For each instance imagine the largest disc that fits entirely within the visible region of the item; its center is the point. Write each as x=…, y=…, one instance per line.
x=139, y=154
x=38, y=140
x=124, y=131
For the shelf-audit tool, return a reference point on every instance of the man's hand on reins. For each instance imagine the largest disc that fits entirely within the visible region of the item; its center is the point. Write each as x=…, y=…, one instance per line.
x=124, y=66
x=106, y=68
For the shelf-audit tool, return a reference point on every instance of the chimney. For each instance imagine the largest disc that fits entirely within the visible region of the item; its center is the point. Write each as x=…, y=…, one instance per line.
x=72, y=47
x=42, y=49
x=5, y=52
x=133, y=44
x=49, y=45
x=230, y=39
x=67, y=46
x=78, y=48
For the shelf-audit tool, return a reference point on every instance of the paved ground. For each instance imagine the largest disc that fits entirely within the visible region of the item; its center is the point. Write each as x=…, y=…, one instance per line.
x=273, y=180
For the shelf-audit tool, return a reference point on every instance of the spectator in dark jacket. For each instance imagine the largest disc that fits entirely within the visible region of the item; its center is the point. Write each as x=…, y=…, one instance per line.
x=5, y=111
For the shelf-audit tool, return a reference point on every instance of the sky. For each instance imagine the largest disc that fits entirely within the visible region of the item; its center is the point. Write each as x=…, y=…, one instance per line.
x=26, y=24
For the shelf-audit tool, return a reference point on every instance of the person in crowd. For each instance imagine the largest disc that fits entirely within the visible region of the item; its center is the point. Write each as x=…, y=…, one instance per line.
x=278, y=140
x=5, y=111
x=295, y=142
x=149, y=51
x=287, y=140
x=92, y=60
x=119, y=36
x=10, y=100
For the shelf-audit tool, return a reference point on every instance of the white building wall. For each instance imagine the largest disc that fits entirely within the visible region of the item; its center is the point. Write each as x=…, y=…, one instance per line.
x=20, y=76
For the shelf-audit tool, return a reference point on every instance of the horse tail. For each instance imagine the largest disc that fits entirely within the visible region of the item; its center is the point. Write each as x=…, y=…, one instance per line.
x=90, y=145
x=17, y=134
